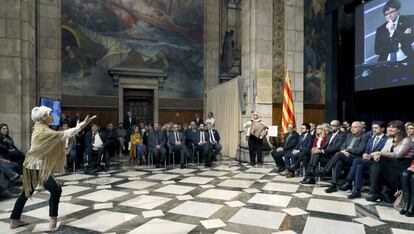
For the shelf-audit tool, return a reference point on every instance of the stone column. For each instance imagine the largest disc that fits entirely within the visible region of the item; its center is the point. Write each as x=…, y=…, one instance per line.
x=211, y=46
x=294, y=34
x=257, y=57
x=17, y=67
x=50, y=49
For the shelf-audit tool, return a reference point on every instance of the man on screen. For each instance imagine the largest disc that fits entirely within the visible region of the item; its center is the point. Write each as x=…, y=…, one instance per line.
x=394, y=38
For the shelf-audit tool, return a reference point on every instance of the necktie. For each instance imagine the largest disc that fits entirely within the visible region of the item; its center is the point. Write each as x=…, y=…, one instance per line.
x=330, y=140
x=375, y=143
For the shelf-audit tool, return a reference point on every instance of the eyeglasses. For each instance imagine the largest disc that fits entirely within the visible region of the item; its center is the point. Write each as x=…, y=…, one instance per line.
x=390, y=12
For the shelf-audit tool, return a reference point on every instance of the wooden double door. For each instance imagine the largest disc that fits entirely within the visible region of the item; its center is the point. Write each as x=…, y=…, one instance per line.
x=141, y=103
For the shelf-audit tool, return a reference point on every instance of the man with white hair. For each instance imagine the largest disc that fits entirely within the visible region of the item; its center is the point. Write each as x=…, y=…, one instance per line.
x=45, y=157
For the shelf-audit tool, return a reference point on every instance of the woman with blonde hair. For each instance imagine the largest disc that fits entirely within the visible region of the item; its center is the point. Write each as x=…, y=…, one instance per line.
x=136, y=152
x=45, y=157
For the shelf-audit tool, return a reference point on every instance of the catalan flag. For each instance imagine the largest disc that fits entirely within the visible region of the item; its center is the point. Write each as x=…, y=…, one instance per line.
x=288, y=114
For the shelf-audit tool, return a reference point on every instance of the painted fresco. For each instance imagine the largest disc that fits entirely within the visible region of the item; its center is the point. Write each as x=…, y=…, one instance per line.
x=315, y=58
x=98, y=35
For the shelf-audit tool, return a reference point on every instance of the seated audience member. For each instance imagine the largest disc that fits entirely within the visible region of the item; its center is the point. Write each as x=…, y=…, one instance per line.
x=359, y=165
x=312, y=130
x=320, y=137
x=197, y=119
x=9, y=150
x=210, y=119
x=176, y=141
x=95, y=146
x=290, y=139
x=406, y=126
x=390, y=162
x=75, y=120
x=202, y=145
x=70, y=146
x=136, y=151
x=190, y=137
x=64, y=119
x=111, y=139
x=214, y=140
x=352, y=148
x=300, y=153
x=121, y=132
x=407, y=179
x=156, y=145
x=331, y=146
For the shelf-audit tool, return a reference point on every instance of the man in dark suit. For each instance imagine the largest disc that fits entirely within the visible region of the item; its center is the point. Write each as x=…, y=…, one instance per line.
x=95, y=145
x=352, y=148
x=202, y=144
x=289, y=142
x=111, y=139
x=176, y=142
x=393, y=39
x=156, y=145
x=333, y=144
x=190, y=135
x=75, y=120
x=359, y=165
x=129, y=123
x=300, y=153
x=214, y=140
x=197, y=119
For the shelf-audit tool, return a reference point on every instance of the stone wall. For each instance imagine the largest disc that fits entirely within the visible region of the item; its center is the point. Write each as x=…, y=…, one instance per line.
x=17, y=67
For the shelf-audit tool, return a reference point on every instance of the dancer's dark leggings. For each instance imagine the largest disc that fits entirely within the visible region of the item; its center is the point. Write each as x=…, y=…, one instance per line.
x=55, y=191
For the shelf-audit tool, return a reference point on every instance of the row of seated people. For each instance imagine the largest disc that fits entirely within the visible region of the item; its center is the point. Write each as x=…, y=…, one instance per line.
x=160, y=141
x=385, y=153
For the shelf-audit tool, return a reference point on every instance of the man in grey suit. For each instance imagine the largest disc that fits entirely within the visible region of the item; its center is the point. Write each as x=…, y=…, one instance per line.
x=176, y=140
x=156, y=145
x=352, y=148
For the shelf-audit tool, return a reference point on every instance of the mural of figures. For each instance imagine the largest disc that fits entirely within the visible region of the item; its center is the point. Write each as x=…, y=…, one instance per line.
x=315, y=59
x=98, y=35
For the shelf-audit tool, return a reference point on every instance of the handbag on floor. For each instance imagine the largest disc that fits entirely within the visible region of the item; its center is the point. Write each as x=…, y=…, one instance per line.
x=399, y=202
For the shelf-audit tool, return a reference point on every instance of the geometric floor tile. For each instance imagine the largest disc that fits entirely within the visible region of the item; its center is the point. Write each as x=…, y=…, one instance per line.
x=181, y=171
x=8, y=205
x=226, y=168
x=196, y=180
x=333, y=207
x=270, y=200
x=101, y=206
x=145, y=202
x=175, y=189
x=43, y=227
x=321, y=192
x=328, y=226
x=294, y=211
x=363, y=202
x=284, y=179
x=198, y=209
x=302, y=195
x=212, y=173
x=236, y=183
x=131, y=174
x=136, y=184
x=235, y=203
x=259, y=218
x=281, y=187
x=64, y=210
x=102, y=221
x=103, y=180
x=251, y=176
x=162, y=177
x=71, y=189
x=391, y=214
x=401, y=231
x=369, y=221
x=225, y=232
x=219, y=194
x=74, y=177
x=259, y=170
x=103, y=195
x=162, y=226
x=5, y=228
x=152, y=213
x=212, y=223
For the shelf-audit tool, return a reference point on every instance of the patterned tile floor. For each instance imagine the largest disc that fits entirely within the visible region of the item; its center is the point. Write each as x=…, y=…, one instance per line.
x=227, y=198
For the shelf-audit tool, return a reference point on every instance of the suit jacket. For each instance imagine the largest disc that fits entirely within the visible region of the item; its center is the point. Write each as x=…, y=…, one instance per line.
x=171, y=138
x=290, y=142
x=384, y=44
x=304, y=143
x=190, y=136
x=335, y=146
x=127, y=125
x=200, y=120
x=6, y=145
x=206, y=137
x=215, y=134
x=359, y=146
x=378, y=147
x=88, y=140
x=152, y=139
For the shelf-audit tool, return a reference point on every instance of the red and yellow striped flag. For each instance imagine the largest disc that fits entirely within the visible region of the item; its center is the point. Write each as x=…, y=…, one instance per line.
x=288, y=114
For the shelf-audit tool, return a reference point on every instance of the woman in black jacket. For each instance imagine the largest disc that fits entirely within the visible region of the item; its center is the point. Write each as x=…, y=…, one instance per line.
x=9, y=151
